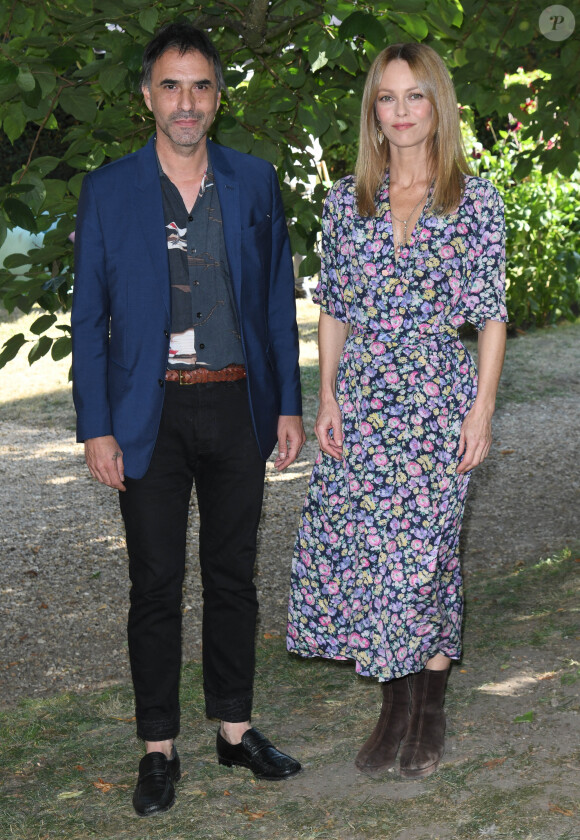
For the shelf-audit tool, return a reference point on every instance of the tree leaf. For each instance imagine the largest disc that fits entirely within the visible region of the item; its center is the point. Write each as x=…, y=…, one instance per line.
x=310, y=265
x=112, y=76
x=25, y=79
x=78, y=102
x=265, y=150
x=75, y=184
x=415, y=26
x=55, y=193
x=8, y=73
x=32, y=98
x=44, y=164
x=568, y=164
x=363, y=23
x=16, y=260
x=63, y=57
x=20, y=214
x=281, y=102
x=148, y=19
x=10, y=348
x=14, y=122
x=61, y=348
x=35, y=196
x=40, y=349
x=42, y=324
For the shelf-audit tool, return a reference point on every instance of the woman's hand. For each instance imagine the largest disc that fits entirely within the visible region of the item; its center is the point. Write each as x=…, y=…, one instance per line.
x=474, y=439
x=329, y=420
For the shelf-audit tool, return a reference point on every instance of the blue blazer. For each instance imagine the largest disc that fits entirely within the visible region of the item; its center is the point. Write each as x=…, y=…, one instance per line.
x=121, y=315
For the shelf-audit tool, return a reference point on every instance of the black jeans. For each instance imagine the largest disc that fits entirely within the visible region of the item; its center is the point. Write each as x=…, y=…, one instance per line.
x=206, y=436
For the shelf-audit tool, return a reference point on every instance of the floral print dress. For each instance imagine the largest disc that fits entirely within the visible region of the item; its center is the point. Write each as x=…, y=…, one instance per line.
x=376, y=575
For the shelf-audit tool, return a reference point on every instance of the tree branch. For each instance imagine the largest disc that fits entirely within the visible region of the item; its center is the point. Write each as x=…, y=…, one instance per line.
x=236, y=8
x=40, y=130
x=288, y=26
x=474, y=23
x=502, y=36
x=9, y=22
x=255, y=23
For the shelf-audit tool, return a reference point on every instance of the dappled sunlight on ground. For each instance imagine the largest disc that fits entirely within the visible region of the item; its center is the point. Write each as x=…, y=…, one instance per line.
x=510, y=686
x=19, y=379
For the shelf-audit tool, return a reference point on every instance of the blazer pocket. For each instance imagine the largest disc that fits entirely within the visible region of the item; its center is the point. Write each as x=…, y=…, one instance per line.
x=259, y=228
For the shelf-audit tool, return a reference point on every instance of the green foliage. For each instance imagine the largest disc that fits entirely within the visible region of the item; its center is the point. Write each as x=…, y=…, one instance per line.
x=543, y=235
x=69, y=102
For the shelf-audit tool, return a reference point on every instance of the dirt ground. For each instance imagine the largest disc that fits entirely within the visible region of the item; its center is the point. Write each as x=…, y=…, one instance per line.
x=63, y=586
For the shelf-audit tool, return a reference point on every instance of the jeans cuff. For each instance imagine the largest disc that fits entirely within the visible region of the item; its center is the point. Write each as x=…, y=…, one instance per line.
x=232, y=709
x=158, y=730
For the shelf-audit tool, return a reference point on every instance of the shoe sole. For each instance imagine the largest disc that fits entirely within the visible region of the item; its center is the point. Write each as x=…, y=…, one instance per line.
x=154, y=811
x=226, y=762
x=374, y=771
x=421, y=773
x=163, y=810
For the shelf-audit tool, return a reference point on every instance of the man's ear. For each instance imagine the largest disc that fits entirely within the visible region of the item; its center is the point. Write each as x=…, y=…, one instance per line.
x=146, y=91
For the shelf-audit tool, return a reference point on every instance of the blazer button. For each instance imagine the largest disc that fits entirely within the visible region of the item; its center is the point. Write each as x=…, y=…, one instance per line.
x=165, y=333
x=161, y=383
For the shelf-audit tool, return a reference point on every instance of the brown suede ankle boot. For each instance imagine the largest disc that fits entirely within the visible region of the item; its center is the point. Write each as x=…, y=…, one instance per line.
x=424, y=745
x=380, y=750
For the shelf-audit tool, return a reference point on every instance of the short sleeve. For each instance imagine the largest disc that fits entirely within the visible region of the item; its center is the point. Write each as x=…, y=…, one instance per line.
x=483, y=298
x=329, y=291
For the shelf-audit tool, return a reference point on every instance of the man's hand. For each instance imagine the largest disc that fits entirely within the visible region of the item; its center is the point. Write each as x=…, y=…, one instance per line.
x=291, y=439
x=105, y=461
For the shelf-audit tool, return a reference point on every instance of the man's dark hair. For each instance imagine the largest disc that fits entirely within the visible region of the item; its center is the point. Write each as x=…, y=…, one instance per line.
x=185, y=38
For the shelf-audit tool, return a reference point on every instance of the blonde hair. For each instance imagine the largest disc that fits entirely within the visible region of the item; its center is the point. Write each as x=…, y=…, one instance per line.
x=447, y=163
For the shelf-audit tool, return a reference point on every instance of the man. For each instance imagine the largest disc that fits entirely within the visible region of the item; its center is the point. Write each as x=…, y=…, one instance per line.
x=185, y=370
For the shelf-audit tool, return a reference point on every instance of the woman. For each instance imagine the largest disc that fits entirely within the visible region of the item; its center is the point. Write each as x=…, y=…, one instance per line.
x=413, y=246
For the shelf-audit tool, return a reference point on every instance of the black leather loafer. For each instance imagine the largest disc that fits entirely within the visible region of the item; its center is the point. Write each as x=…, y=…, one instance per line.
x=157, y=774
x=258, y=755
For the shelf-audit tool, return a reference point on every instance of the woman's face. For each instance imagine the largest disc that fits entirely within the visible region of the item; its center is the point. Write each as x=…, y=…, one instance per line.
x=403, y=111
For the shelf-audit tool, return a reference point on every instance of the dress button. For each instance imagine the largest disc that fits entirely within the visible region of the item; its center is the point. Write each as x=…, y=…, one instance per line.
x=202, y=346
x=190, y=218
x=199, y=314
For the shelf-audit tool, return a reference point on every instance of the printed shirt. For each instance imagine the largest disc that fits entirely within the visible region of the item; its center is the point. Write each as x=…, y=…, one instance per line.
x=204, y=325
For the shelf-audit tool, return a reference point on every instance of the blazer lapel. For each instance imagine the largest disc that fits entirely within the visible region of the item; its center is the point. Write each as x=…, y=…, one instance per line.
x=228, y=190
x=150, y=219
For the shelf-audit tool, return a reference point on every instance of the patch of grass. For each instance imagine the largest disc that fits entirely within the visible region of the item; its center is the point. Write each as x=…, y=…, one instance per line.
x=310, y=381
x=68, y=763
x=542, y=363
x=507, y=603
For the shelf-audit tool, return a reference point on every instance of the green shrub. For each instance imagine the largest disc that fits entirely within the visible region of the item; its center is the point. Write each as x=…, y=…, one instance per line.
x=543, y=235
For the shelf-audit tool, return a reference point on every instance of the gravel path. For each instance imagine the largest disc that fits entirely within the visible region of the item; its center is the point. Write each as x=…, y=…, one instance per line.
x=63, y=575
x=63, y=578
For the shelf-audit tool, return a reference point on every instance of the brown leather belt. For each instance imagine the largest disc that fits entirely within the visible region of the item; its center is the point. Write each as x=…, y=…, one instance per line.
x=198, y=376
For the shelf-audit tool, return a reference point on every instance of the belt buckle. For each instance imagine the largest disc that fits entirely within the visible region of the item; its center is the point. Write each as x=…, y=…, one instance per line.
x=181, y=382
